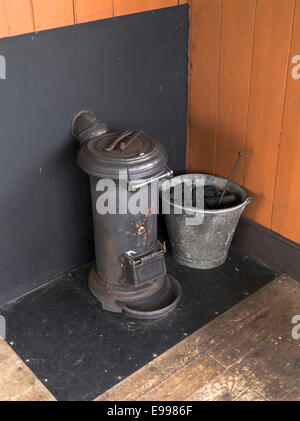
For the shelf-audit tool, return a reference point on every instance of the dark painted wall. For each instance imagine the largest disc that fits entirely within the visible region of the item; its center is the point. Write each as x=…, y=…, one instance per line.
x=132, y=71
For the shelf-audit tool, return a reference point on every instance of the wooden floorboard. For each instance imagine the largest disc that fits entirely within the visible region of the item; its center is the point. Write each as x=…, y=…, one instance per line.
x=247, y=353
x=180, y=385
x=17, y=382
x=250, y=395
x=294, y=395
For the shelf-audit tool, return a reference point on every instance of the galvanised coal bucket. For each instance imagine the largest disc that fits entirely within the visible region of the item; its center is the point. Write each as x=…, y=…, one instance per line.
x=204, y=245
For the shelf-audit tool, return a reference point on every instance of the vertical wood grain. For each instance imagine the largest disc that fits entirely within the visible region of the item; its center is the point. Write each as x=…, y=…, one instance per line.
x=3, y=20
x=52, y=13
x=89, y=10
x=235, y=68
x=285, y=218
x=158, y=4
x=126, y=7
x=19, y=16
x=205, y=27
x=269, y=68
x=23, y=16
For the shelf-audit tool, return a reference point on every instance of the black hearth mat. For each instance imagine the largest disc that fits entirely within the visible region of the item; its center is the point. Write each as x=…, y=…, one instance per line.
x=79, y=351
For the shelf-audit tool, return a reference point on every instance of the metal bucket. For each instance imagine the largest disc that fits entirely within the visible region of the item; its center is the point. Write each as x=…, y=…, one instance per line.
x=206, y=245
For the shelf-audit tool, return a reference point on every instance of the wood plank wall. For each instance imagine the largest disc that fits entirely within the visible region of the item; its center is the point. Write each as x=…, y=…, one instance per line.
x=242, y=96
x=24, y=16
x=242, y=93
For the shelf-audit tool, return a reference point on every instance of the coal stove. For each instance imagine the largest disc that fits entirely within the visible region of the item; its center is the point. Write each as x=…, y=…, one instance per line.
x=130, y=273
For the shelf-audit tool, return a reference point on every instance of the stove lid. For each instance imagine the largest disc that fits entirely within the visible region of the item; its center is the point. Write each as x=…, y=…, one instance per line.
x=134, y=152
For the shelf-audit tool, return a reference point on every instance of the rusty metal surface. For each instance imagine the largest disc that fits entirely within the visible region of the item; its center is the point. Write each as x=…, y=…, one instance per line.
x=143, y=158
x=130, y=273
x=116, y=234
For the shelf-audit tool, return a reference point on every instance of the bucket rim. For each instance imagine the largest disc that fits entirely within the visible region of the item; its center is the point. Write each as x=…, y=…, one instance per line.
x=207, y=211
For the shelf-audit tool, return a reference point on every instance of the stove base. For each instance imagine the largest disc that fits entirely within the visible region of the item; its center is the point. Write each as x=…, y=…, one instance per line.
x=149, y=301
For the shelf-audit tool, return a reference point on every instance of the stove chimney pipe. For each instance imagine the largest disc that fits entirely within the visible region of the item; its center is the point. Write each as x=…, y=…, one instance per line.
x=85, y=126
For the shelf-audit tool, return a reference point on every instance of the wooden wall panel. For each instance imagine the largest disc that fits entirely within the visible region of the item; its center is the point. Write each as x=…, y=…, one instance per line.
x=23, y=16
x=286, y=210
x=89, y=10
x=242, y=95
x=126, y=7
x=269, y=68
x=234, y=82
x=205, y=21
x=52, y=13
x=157, y=4
x=19, y=16
x=3, y=20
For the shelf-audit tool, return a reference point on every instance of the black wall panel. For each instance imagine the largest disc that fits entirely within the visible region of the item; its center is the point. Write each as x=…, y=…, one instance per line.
x=132, y=71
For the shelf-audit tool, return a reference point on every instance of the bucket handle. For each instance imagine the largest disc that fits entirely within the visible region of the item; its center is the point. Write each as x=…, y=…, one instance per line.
x=248, y=200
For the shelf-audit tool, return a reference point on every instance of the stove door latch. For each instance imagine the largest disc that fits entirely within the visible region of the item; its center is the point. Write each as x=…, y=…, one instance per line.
x=144, y=268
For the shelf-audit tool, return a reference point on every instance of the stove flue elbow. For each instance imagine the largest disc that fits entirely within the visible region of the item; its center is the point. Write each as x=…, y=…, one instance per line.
x=85, y=126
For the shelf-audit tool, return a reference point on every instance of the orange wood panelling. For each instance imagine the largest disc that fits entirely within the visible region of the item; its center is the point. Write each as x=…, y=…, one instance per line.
x=19, y=16
x=286, y=211
x=89, y=10
x=3, y=20
x=269, y=68
x=252, y=101
x=126, y=7
x=22, y=16
x=234, y=81
x=158, y=4
x=52, y=13
x=205, y=16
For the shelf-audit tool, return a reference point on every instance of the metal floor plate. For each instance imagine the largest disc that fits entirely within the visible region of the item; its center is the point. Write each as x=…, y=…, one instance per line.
x=79, y=351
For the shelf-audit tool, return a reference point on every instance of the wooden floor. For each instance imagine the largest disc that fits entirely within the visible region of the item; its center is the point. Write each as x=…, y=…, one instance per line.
x=247, y=353
x=17, y=382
